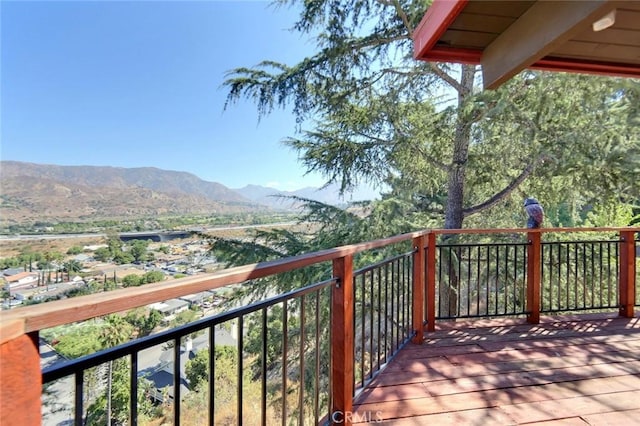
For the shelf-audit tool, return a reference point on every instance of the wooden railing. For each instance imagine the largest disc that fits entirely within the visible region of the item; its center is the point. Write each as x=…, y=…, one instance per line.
x=21, y=375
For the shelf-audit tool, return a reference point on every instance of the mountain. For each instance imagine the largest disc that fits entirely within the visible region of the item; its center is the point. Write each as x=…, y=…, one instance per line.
x=166, y=181
x=49, y=193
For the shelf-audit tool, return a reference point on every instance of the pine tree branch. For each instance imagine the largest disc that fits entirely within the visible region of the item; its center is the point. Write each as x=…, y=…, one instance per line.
x=402, y=14
x=506, y=191
x=446, y=77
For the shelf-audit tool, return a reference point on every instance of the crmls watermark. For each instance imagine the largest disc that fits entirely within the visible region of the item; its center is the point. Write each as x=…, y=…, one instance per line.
x=338, y=417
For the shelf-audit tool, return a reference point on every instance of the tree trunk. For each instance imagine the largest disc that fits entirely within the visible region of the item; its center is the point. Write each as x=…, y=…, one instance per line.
x=457, y=170
x=455, y=189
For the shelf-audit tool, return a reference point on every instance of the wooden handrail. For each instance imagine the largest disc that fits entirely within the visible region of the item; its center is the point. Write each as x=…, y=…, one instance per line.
x=534, y=257
x=419, y=246
x=19, y=327
x=33, y=318
x=37, y=317
x=342, y=341
x=627, y=275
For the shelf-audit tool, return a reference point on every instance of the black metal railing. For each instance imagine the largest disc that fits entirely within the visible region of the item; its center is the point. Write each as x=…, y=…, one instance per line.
x=287, y=359
x=579, y=276
x=382, y=315
x=480, y=280
x=281, y=353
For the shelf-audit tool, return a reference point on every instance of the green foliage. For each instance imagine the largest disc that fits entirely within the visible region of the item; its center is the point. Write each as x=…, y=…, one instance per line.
x=609, y=214
x=77, y=341
x=184, y=317
x=444, y=148
x=72, y=266
x=143, y=322
x=122, y=258
x=132, y=280
x=153, y=277
x=74, y=250
x=148, y=223
x=97, y=411
x=138, y=249
x=197, y=369
x=103, y=254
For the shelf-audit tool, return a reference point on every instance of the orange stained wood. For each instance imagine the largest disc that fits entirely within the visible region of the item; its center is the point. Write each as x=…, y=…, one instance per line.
x=20, y=381
x=627, y=273
x=17, y=325
x=573, y=370
x=431, y=282
x=418, y=288
x=51, y=314
x=508, y=36
x=342, y=340
x=16, y=322
x=533, y=277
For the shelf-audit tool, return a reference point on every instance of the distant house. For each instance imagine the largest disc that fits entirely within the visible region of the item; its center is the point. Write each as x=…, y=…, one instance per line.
x=169, y=308
x=42, y=293
x=83, y=258
x=12, y=271
x=197, y=299
x=21, y=280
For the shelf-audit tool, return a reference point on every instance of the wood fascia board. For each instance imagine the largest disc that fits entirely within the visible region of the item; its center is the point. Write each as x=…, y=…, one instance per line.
x=449, y=54
x=470, y=56
x=536, y=34
x=587, y=67
x=434, y=23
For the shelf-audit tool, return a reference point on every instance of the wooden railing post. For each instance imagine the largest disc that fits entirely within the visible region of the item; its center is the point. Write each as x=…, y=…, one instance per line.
x=533, y=277
x=342, y=341
x=627, y=275
x=418, y=289
x=431, y=281
x=21, y=381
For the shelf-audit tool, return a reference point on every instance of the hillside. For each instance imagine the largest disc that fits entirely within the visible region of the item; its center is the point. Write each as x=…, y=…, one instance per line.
x=32, y=192
x=166, y=181
x=49, y=193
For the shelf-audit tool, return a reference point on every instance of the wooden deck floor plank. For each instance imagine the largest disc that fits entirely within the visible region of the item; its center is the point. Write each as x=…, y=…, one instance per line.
x=629, y=417
x=486, y=337
x=515, y=380
x=569, y=421
x=479, y=417
x=605, y=377
x=523, y=342
x=537, y=330
x=584, y=406
x=504, y=396
x=631, y=341
x=578, y=373
x=430, y=369
x=567, y=351
x=502, y=368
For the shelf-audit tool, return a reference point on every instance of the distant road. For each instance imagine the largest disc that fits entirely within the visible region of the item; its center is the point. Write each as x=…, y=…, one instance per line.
x=99, y=235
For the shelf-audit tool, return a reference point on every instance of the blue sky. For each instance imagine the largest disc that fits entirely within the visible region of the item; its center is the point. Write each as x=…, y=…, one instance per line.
x=138, y=84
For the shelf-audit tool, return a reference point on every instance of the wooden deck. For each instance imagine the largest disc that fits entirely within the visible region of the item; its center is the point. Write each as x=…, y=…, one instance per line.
x=577, y=370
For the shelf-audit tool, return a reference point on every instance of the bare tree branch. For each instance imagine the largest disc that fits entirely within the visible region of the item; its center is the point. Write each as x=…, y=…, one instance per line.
x=403, y=16
x=506, y=191
x=446, y=77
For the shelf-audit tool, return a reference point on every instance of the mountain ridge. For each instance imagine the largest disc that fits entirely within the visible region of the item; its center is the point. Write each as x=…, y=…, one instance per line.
x=48, y=192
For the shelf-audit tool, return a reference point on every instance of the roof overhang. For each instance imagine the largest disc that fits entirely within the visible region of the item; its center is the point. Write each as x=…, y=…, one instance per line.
x=506, y=37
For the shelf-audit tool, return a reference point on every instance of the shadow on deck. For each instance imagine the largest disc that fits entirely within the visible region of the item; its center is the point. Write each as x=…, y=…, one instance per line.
x=569, y=370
